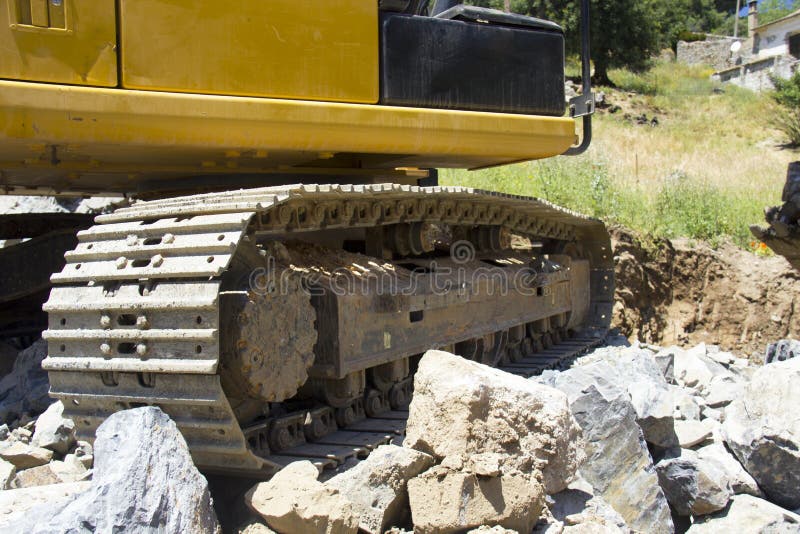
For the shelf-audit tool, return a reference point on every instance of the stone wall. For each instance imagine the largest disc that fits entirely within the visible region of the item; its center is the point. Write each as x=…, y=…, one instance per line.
x=715, y=52
x=755, y=75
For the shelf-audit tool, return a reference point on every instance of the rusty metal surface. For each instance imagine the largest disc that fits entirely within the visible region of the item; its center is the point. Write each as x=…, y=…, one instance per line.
x=135, y=317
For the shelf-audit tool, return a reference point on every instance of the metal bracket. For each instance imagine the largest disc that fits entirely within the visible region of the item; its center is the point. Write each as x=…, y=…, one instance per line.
x=581, y=105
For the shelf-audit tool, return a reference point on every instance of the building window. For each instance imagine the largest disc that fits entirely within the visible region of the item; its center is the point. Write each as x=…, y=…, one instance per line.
x=794, y=45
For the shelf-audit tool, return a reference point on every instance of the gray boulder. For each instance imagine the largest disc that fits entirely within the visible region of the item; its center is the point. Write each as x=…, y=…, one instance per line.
x=762, y=429
x=638, y=372
x=144, y=481
x=693, y=486
x=741, y=481
x=462, y=408
x=748, y=514
x=377, y=487
x=618, y=464
x=54, y=431
x=25, y=389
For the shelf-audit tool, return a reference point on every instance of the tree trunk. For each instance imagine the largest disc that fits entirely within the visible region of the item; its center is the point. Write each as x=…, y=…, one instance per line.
x=507, y=6
x=601, y=72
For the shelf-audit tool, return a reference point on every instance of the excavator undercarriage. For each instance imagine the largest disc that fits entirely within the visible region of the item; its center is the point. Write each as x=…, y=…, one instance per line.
x=264, y=320
x=275, y=322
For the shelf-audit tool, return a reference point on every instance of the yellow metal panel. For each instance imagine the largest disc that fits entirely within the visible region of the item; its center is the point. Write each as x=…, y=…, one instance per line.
x=72, y=42
x=61, y=136
x=313, y=50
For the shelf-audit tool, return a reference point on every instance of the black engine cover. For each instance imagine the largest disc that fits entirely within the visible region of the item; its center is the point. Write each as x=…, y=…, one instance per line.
x=510, y=65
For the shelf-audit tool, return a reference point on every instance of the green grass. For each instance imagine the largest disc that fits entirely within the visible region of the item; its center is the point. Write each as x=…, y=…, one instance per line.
x=706, y=172
x=680, y=207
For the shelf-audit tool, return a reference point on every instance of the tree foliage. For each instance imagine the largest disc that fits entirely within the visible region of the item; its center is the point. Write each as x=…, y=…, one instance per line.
x=771, y=10
x=626, y=33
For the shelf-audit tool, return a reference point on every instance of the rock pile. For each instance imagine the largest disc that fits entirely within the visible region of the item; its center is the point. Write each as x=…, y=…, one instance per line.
x=630, y=439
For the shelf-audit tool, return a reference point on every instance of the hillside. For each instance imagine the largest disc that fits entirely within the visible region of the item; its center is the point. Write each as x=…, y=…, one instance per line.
x=674, y=155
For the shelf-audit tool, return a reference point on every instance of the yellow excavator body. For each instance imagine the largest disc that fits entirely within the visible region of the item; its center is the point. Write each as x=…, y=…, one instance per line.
x=99, y=96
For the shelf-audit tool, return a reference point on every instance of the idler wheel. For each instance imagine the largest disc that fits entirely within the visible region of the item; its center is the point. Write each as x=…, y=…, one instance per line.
x=268, y=335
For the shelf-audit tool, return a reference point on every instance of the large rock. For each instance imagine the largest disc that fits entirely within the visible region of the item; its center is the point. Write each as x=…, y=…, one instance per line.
x=748, y=514
x=618, y=463
x=762, y=428
x=25, y=456
x=295, y=501
x=741, y=481
x=445, y=501
x=461, y=408
x=638, y=372
x=693, y=486
x=377, y=487
x=54, y=431
x=144, y=481
x=25, y=388
x=16, y=504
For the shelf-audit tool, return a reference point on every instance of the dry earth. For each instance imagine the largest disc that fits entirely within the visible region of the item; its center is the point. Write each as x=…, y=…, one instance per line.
x=684, y=292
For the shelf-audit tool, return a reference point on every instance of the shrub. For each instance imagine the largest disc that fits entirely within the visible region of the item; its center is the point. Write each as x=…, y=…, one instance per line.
x=787, y=115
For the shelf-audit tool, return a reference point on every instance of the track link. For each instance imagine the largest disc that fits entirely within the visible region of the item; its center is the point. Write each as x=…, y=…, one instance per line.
x=134, y=316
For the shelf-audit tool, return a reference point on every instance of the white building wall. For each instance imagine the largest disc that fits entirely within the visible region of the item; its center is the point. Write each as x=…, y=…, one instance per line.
x=773, y=39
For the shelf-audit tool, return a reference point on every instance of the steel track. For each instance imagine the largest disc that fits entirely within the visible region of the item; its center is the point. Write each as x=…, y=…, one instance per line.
x=134, y=316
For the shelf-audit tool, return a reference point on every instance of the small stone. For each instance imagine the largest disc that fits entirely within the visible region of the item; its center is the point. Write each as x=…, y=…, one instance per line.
x=666, y=362
x=4, y=432
x=686, y=405
x=21, y=434
x=25, y=456
x=444, y=501
x=255, y=527
x=722, y=390
x=295, y=501
x=84, y=452
x=692, y=433
x=7, y=473
x=53, y=430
